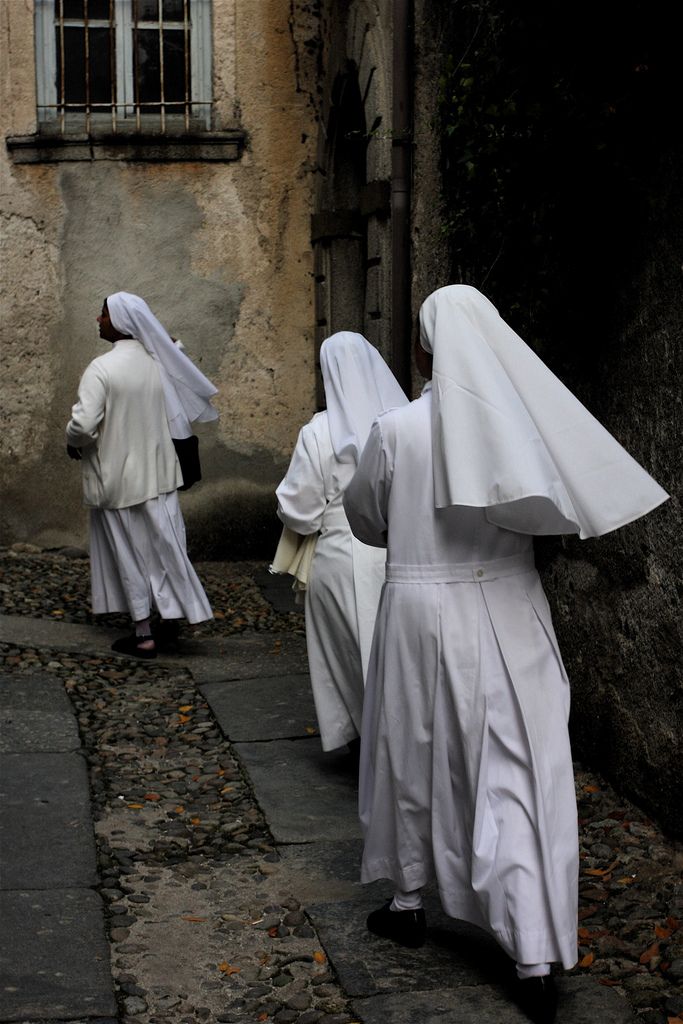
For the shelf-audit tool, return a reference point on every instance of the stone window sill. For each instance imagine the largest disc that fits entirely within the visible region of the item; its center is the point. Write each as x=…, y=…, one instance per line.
x=221, y=147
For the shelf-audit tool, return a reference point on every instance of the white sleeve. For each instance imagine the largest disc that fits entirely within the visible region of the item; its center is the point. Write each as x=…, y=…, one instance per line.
x=366, y=497
x=301, y=495
x=88, y=412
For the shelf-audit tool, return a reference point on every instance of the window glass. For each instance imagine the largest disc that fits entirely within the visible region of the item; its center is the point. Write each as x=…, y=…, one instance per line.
x=148, y=10
x=99, y=63
x=148, y=66
x=80, y=8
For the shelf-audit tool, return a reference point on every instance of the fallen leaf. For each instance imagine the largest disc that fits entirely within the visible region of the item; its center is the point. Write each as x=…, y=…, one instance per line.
x=273, y=931
x=228, y=789
x=591, y=789
x=584, y=933
x=183, y=719
x=651, y=952
x=179, y=809
x=192, y=918
x=261, y=1016
x=319, y=956
x=587, y=960
x=663, y=933
x=673, y=923
x=626, y=880
x=609, y=981
x=601, y=871
x=219, y=615
x=227, y=968
x=136, y=807
x=195, y=821
x=185, y=707
x=311, y=730
x=153, y=797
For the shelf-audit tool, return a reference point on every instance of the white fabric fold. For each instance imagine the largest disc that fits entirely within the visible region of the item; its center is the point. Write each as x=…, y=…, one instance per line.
x=508, y=436
x=187, y=392
x=358, y=387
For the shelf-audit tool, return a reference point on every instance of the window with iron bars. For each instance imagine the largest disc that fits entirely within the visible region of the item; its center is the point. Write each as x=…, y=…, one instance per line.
x=123, y=65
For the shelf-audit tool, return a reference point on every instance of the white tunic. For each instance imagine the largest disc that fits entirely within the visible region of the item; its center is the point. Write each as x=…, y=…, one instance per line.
x=344, y=586
x=138, y=555
x=466, y=771
x=128, y=454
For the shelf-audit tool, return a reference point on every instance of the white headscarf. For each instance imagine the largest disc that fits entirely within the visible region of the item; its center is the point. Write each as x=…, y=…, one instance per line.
x=508, y=436
x=358, y=387
x=187, y=392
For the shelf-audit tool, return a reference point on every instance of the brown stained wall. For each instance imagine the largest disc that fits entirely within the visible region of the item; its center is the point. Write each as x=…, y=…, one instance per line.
x=220, y=250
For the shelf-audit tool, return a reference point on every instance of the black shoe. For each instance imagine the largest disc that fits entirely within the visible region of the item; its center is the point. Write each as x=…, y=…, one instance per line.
x=537, y=997
x=166, y=633
x=130, y=645
x=406, y=927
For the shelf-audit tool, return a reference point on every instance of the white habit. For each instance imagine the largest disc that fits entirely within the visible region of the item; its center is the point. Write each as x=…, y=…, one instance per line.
x=130, y=475
x=344, y=585
x=466, y=771
x=346, y=576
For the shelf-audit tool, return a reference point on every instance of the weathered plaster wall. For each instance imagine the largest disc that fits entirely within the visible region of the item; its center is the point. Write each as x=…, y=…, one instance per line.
x=220, y=251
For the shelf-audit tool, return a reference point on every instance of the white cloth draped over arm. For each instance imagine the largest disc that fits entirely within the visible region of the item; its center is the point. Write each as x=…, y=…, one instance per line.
x=88, y=412
x=301, y=495
x=366, y=497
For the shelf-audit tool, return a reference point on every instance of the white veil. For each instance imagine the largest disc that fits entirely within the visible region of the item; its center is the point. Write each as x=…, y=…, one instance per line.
x=508, y=436
x=187, y=392
x=358, y=387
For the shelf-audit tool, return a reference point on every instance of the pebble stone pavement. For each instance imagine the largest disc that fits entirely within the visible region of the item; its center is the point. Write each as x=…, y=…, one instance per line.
x=213, y=913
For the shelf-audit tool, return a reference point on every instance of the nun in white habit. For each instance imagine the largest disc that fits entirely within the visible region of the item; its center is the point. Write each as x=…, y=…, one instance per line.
x=345, y=576
x=131, y=402
x=466, y=771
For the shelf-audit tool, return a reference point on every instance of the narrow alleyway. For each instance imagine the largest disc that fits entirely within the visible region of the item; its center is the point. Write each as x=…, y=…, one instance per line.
x=178, y=821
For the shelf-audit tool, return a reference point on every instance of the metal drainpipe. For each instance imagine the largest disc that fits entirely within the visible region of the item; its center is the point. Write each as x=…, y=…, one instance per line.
x=401, y=166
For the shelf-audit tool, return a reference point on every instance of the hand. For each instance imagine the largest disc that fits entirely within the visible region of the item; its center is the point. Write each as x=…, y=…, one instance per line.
x=73, y=453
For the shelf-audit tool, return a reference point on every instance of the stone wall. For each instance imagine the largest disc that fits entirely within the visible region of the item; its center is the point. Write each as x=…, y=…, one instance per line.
x=221, y=251
x=613, y=336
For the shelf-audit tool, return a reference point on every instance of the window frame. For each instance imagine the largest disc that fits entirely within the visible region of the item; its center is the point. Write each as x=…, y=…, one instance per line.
x=124, y=118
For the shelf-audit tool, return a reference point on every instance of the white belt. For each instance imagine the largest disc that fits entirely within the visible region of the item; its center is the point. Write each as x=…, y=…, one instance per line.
x=462, y=572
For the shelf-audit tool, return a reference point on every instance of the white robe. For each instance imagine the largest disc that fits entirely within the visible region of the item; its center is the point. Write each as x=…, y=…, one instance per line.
x=344, y=586
x=466, y=772
x=138, y=555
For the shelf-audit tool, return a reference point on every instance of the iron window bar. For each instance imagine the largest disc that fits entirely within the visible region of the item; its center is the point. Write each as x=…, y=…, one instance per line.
x=121, y=107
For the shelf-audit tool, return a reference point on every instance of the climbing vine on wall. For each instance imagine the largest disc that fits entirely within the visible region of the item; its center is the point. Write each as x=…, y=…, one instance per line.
x=554, y=122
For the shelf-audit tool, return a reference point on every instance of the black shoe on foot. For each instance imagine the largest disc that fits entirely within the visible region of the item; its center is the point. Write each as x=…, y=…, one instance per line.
x=406, y=927
x=537, y=997
x=165, y=633
x=131, y=645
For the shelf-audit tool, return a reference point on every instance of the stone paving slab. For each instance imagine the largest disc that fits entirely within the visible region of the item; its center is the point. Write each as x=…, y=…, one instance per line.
x=480, y=1003
x=582, y=1001
x=37, y=731
x=306, y=795
x=454, y=954
x=45, y=829
x=265, y=708
x=36, y=691
x=36, y=715
x=55, y=957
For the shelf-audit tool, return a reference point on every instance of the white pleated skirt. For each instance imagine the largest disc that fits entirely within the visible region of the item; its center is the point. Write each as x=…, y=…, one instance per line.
x=341, y=604
x=466, y=772
x=139, y=562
